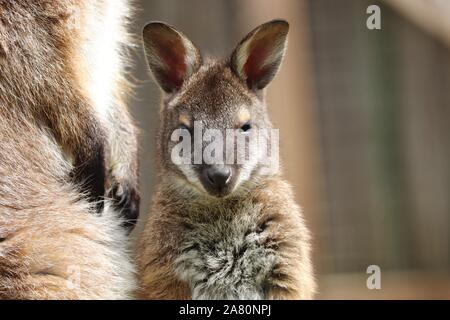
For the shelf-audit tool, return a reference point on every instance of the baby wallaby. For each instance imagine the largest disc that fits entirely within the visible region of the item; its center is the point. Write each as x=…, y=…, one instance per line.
x=223, y=224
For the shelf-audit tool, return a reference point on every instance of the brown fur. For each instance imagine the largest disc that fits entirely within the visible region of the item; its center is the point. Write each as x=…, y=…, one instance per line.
x=51, y=130
x=40, y=75
x=44, y=74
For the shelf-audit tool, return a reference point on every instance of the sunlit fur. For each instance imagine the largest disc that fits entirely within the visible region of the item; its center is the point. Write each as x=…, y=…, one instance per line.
x=62, y=94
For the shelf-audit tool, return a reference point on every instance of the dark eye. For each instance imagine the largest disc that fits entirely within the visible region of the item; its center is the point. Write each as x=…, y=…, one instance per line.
x=246, y=127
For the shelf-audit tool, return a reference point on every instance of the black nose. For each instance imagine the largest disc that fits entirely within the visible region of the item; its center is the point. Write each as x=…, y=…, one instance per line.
x=218, y=177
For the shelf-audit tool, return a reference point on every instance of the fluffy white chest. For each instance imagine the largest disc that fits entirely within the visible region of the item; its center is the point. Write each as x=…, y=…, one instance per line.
x=226, y=258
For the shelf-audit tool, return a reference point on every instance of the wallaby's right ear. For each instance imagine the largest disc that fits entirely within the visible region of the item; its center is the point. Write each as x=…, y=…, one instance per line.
x=258, y=56
x=172, y=57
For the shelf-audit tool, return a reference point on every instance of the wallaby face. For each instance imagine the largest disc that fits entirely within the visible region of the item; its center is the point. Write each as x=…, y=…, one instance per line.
x=214, y=101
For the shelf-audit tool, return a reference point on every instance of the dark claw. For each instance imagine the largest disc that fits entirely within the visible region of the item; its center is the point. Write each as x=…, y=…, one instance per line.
x=126, y=200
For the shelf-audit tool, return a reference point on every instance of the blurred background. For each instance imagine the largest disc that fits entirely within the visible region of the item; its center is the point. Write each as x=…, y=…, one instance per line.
x=364, y=119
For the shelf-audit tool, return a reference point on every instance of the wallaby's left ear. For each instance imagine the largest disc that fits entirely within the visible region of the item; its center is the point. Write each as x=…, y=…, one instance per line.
x=258, y=56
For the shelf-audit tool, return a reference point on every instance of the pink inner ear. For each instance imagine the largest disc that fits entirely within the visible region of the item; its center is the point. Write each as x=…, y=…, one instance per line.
x=262, y=45
x=172, y=53
x=253, y=67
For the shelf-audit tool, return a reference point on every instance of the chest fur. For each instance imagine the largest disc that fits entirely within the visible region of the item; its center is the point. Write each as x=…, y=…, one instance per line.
x=226, y=254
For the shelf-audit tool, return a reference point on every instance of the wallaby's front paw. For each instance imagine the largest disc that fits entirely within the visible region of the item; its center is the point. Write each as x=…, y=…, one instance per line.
x=126, y=199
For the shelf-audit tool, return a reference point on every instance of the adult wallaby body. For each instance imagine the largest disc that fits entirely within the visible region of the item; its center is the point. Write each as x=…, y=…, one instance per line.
x=220, y=230
x=65, y=138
